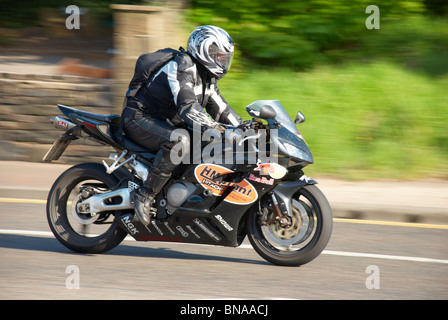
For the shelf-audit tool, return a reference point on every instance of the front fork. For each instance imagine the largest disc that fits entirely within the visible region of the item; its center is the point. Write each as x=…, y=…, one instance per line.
x=282, y=195
x=278, y=215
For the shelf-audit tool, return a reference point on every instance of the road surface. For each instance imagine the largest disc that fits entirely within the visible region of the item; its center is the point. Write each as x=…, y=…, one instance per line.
x=363, y=260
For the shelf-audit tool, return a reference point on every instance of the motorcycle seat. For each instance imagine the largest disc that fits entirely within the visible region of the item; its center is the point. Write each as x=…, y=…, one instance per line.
x=109, y=118
x=134, y=147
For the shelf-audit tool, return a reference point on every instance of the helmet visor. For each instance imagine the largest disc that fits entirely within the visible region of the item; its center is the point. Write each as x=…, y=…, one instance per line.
x=224, y=60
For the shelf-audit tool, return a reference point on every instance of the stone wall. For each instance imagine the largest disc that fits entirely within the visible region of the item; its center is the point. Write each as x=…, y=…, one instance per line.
x=141, y=29
x=27, y=102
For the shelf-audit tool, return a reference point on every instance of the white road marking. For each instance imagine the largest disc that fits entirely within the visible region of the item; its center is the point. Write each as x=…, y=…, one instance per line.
x=247, y=246
x=344, y=220
x=27, y=233
x=382, y=256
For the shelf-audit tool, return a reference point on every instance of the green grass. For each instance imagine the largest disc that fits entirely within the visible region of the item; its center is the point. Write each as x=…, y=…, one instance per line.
x=364, y=121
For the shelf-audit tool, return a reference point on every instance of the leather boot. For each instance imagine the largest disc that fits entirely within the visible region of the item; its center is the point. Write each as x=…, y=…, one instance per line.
x=143, y=201
x=144, y=197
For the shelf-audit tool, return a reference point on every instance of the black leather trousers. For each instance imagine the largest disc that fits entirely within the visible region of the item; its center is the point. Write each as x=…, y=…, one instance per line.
x=151, y=133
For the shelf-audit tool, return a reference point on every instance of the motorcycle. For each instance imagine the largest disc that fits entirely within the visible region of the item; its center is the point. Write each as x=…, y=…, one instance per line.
x=286, y=218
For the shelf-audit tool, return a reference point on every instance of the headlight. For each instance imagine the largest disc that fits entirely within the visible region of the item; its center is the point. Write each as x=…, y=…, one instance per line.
x=292, y=150
x=295, y=152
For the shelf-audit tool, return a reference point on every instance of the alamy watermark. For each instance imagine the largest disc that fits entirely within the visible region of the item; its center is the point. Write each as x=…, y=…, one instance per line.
x=373, y=280
x=373, y=21
x=234, y=146
x=73, y=280
x=73, y=20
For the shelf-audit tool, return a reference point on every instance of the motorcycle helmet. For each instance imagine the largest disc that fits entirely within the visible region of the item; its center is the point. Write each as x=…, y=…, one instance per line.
x=213, y=48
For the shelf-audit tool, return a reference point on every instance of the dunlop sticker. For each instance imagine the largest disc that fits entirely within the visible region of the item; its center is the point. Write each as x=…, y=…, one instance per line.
x=243, y=192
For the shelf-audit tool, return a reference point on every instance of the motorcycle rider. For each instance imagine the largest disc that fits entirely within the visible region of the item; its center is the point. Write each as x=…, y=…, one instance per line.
x=176, y=97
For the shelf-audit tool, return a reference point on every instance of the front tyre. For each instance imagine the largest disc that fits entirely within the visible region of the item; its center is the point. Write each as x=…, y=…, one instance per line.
x=71, y=224
x=303, y=239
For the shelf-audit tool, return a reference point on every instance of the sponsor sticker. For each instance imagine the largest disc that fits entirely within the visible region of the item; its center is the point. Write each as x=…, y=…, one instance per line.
x=129, y=225
x=207, y=230
x=182, y=231
x=223, y=222
x=62, y=124
x=243, y=192
x=274, y=170
x=261, y=179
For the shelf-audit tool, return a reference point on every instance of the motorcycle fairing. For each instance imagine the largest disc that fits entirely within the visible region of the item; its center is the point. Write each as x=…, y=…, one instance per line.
x=206, y=218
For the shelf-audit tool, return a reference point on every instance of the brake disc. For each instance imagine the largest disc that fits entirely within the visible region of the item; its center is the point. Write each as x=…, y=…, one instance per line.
x=297, y=231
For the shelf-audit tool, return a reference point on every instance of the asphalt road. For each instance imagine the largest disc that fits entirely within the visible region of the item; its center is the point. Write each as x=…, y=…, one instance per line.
x=362, y=261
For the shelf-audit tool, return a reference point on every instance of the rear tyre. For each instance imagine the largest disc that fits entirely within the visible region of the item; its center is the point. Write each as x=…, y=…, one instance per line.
x=75, y=229
x=303, y=239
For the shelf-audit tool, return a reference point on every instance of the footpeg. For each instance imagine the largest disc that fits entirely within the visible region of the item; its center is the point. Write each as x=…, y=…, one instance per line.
x=114, y=166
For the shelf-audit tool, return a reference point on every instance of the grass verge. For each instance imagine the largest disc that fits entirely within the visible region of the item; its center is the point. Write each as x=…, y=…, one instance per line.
x=364, y=121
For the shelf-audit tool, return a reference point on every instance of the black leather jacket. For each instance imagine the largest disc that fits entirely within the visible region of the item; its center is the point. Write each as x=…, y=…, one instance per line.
x=181, y=90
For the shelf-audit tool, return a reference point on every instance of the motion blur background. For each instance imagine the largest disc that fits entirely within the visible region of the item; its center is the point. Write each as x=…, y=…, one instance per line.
x=376, y=100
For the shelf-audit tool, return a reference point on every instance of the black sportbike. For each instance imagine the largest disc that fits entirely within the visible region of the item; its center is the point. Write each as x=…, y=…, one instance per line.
x=286, y=217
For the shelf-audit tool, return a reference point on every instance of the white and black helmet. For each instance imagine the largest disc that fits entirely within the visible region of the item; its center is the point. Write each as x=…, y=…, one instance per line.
x=213, y=48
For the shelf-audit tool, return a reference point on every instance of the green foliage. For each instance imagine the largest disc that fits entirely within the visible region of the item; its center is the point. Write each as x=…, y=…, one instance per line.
x=417, y=43
x=375, y=121
x=297, y=34
x=375, y=100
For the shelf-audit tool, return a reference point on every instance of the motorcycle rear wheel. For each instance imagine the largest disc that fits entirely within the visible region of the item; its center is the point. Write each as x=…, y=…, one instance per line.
x=300, y=242
x=70, y=226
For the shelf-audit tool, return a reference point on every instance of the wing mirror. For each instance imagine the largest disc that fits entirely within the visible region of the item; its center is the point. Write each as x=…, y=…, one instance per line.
x=299, y=118
x=267, y=112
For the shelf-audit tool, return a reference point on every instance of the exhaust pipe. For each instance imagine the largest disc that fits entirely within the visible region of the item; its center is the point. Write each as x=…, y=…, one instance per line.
x=59, y=146
x=61, y=123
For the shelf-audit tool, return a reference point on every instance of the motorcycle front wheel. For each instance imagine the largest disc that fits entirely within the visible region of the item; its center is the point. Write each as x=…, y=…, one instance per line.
x=303, y=239
x=70, y=222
